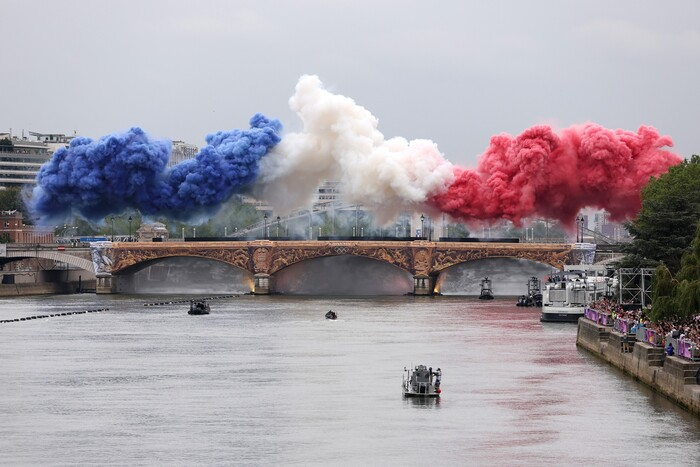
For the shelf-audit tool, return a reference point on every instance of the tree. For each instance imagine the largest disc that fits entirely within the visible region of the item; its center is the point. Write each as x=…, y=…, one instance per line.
x=679, y=296
x=11, y=199
x=662, y=296
x=665, y=225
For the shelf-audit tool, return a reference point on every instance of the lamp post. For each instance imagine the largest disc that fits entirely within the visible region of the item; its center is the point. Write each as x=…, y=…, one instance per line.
x=265, y=226
x=579, y=228
x=130, y=219
x=422, y=225
x=112, y=229
x=278, y=226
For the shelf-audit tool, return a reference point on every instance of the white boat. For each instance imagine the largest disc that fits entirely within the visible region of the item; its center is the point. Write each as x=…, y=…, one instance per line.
x=421, y=382
x=566, y=293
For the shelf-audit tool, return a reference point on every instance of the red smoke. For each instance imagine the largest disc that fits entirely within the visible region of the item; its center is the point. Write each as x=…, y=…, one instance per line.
x=542, y=174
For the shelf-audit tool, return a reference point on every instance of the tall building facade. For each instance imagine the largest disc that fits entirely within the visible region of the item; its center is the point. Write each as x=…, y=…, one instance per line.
x=181, y=152
x=21, y=158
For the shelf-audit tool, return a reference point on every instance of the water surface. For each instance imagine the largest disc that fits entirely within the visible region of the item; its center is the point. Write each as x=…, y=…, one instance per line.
x=269, y=381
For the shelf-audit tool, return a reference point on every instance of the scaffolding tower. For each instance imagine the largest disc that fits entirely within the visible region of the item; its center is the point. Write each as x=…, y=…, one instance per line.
x=635, y=285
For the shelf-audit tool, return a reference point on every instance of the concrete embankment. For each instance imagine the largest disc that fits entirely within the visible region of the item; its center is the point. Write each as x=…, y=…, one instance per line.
x=44, y=288
x=673, y=376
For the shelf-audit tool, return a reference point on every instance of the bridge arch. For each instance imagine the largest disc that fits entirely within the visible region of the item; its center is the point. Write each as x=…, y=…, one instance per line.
x=54, y=255
x=141, y=265
x=345, y=274
x=449, y=258
x=283, y=258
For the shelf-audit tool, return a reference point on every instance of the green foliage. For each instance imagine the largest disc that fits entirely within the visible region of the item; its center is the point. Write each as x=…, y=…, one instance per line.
x=233, y=214
x=11, y=199
x=679, y=296
x=665, y=225
x=662, y=300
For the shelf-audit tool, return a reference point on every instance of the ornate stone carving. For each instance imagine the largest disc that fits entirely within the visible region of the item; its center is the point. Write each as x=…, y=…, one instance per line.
x=422, y=262
x=418, y=258
x=261, y=260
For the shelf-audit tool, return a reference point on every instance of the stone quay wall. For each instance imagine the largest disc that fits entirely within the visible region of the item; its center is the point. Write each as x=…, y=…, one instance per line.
x=672, y=376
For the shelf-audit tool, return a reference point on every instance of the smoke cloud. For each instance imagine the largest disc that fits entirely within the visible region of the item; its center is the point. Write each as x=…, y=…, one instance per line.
x=128, y=170
x=540, y=173
x=341, y=142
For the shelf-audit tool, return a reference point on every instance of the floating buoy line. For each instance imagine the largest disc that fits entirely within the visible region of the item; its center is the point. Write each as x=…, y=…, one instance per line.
x=173, y=302
x=53, y=315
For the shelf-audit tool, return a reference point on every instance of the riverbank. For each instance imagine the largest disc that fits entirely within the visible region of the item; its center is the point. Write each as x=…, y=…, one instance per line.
x=671, y=376
x=44, y=288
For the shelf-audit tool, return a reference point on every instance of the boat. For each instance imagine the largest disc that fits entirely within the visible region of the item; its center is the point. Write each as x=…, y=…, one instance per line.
x=534, y=294
x=566, y=293
x=331, y=315
x=198, y=307
x=486, y=292
x=421, y=382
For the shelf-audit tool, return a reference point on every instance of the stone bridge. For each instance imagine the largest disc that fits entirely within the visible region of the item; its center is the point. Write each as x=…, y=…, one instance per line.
x=263, y=258
x=77, y=257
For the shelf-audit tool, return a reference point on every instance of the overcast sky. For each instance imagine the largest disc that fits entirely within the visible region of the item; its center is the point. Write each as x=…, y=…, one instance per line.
x=455, y=72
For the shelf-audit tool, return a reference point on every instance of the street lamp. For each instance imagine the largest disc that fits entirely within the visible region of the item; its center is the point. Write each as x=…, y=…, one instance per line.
x=130, y=219
x=112, y=229
x=265, y=226
x=579, y=227
x=278, y=226
x=422, y=225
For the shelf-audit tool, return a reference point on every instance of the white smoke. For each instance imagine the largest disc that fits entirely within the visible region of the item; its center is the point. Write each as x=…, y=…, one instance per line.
x=340, y=142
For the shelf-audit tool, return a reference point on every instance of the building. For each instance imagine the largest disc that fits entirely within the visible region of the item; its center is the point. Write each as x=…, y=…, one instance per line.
x=181, y=152
x=14, y=230
x=54, y=141
x=20, y=158
x=156, y=232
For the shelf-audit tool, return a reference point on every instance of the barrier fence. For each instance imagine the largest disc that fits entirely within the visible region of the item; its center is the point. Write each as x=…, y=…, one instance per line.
x=688, y=349
x=623, y=325
x=604, y=319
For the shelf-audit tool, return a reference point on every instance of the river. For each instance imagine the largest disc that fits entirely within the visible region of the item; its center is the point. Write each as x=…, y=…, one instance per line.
x=266, y=380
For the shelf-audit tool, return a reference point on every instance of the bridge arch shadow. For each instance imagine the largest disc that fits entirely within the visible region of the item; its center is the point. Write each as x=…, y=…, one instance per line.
x=184, y=275
x=343, y=275
x=509, y=276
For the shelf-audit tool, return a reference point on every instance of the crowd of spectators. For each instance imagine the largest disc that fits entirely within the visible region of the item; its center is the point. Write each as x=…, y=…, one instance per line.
x=680, y=328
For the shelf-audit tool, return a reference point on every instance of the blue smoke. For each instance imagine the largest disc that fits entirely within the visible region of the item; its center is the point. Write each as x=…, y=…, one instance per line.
x=128, y=171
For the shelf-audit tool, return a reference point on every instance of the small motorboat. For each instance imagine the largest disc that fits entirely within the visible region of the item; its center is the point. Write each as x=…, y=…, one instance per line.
x=198, y=307
x=486, y=292
x=421, y=382
x=524, y=300
x=331, y=315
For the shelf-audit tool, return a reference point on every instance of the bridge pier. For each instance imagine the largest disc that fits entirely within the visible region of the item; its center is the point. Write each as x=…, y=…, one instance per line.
x=423, y=285
x=261, y=284
x=105, y=284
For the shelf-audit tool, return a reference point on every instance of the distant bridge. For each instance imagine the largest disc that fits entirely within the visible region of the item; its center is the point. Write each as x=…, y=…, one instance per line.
x=423, y=259
x=77, y=257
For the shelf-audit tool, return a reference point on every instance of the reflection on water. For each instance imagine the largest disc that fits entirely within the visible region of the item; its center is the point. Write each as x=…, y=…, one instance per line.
x=269, y=381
